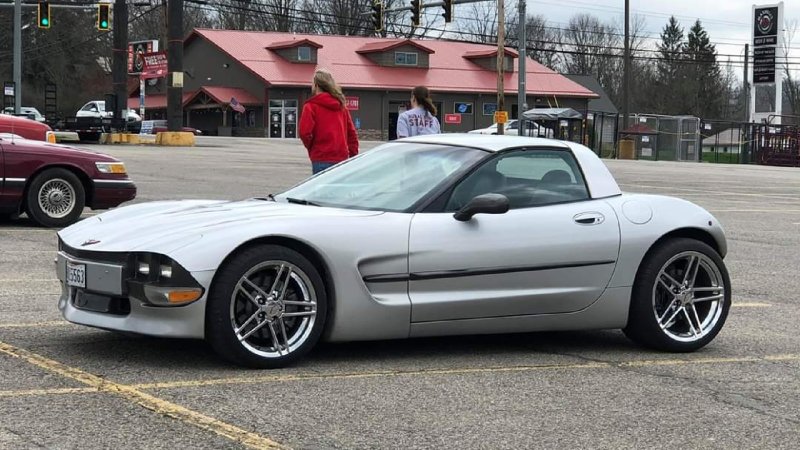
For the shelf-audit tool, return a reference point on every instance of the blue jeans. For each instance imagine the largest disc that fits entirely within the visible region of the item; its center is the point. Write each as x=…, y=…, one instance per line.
x=319, y=166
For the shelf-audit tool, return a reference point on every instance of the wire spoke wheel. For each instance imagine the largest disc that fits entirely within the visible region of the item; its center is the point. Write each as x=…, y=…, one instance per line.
x=273, y=309
x=688, y=296
x=56, y=198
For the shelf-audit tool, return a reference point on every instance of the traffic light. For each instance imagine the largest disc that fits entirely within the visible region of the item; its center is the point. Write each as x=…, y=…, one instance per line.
x=103, y=17
x=448, y=11
x=377, y=15
x=416, y=9
x=44, y=15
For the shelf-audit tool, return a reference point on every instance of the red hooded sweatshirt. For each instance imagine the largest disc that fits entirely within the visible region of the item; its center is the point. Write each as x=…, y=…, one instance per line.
x=327, y=130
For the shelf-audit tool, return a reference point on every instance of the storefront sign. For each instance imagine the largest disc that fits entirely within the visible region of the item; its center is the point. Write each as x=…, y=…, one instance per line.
x=766, y=22
x=454, y=119
x=463, y=107
x=501, y=116
x=351, y=103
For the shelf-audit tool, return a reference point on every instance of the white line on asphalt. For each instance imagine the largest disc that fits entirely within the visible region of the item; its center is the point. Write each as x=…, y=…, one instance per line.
x=751, y=305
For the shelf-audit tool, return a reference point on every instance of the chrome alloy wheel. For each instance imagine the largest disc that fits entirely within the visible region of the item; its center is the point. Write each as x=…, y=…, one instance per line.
x=273, y=309
x=688, y=296
x=56, y=198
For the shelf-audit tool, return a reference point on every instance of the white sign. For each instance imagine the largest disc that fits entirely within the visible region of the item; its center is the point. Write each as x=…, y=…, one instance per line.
x=707, y=126
x=8, y=91
x=147, y=127
x=647, y=151
x=642, y=119
x=645, y=138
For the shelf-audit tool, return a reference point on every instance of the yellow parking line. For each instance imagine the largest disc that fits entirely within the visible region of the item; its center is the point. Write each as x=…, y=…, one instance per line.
x=398, y=373
x=53, y=391
x=52, y=323
x=148, y=401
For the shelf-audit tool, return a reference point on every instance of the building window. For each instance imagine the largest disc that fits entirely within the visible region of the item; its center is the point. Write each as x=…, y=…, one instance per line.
x=304, y=53
x=405, y=58
x=462, y=107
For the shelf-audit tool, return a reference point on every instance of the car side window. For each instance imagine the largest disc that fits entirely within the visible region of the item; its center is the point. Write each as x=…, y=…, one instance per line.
x=528, y=178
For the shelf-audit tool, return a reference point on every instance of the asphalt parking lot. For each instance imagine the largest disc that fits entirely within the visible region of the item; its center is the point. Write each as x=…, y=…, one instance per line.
x=66, y=386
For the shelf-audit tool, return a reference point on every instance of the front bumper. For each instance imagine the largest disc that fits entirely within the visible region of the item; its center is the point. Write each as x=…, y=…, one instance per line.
x=111, y=193
x=106, y=301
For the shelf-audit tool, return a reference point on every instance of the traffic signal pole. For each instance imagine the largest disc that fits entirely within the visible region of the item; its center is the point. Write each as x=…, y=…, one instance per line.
x=17, y=55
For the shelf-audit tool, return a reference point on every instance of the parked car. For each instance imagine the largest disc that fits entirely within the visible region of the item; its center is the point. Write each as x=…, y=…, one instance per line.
x=97, y=109
x=52, y=183
x=424, y=236
x=512, y=129
x=26, y=128
x=27, y=111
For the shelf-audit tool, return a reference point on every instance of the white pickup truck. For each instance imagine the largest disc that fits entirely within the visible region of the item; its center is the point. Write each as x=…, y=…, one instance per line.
x=97, y=108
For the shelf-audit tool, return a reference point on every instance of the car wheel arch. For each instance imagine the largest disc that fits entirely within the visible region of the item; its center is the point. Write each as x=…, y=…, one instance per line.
x=686, y=232
x=78, y=172
x=305, y=249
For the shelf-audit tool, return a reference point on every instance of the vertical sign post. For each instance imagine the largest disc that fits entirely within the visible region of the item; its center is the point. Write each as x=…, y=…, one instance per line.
x=768, y=38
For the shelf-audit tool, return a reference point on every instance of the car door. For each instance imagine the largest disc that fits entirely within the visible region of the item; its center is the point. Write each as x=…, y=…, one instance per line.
x=554, y=251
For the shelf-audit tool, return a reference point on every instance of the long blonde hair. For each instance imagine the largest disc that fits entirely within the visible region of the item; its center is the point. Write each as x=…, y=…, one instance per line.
x=325, y=83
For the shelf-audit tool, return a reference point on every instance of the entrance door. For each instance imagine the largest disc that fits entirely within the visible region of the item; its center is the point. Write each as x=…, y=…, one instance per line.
x=283, y=118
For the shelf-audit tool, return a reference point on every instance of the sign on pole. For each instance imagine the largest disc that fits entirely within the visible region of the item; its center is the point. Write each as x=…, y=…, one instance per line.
x=767, y=51
x=135, y=51
x=501, y=116
x=154, y=65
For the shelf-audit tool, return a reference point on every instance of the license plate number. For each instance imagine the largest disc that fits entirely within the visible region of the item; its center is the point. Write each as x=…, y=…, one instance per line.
x=76, y=275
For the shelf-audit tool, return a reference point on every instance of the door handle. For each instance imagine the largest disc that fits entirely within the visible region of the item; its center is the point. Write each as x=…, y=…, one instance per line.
x=589, y=218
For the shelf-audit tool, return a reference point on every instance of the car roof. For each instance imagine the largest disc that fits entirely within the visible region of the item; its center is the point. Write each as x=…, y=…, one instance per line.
x=492, y=143
x=598, y=178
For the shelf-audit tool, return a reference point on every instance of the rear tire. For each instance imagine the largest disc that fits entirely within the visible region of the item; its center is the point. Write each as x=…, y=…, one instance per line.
x=55, y=198
x=681, y=297
x=267, y=308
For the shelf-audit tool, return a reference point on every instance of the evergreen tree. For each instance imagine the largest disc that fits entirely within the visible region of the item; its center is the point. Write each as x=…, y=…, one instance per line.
x=705, y=87
x=670, y=75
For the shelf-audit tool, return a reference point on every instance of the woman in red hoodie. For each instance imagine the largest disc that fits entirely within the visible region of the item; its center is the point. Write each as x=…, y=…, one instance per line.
x=326, y=128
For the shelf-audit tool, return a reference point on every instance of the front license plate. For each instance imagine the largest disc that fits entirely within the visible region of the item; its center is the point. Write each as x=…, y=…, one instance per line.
x=76, y=275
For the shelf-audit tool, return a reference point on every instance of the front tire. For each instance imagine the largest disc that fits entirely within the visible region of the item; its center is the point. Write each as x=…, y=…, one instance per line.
x=680, y=298
x=267, y=308
x=55, y=198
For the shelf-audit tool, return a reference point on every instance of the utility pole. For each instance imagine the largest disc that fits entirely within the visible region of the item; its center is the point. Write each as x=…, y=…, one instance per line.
x=119, y=59
x=626, y=77
x=746, y=83
x=501, y=58
x=522, y=98
x=17, y=55
x=175, y=65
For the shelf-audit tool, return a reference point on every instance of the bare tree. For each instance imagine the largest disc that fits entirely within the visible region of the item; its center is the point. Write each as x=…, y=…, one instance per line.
x=791, y=78
x=479, y=23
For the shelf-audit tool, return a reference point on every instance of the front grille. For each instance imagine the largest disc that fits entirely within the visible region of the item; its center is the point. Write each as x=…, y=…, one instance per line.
x=120, y=258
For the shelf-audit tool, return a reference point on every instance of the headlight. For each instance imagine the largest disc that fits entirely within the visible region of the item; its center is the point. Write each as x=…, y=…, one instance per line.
x=157, y=280
x=110, y=167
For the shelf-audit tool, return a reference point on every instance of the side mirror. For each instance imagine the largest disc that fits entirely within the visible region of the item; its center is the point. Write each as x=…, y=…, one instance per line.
x=483, y=204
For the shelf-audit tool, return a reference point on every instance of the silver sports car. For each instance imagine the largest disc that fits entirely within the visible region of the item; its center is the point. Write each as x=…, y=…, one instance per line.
x=426, y=236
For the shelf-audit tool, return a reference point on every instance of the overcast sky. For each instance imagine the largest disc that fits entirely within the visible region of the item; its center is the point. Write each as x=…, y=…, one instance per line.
x=728, y=22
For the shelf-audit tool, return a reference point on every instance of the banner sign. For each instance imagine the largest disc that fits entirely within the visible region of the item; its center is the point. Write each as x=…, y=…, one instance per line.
x=154, y=65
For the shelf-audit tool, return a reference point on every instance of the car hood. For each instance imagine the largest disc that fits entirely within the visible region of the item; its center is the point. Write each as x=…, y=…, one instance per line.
x=166, y=226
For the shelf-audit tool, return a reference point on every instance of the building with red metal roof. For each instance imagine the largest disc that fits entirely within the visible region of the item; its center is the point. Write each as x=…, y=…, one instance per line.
x=270, y=73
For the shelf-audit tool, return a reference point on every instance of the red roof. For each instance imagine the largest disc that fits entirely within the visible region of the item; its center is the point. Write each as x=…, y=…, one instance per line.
x=293, y=43
x=219, y=94
x=449, y=71
x=389, y=44
x=490, y=52
x=223, y=95
x=155, y=101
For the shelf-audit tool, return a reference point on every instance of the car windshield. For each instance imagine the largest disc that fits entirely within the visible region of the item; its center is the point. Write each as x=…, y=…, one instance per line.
x=392, y=177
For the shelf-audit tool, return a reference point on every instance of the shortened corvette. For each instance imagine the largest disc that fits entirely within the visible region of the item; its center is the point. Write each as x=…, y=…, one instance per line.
x=425, y=236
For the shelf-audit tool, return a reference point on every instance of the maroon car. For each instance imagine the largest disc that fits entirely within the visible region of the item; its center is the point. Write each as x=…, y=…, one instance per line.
x=52, y=183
